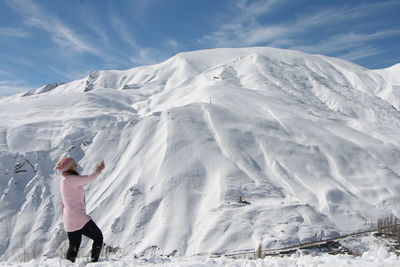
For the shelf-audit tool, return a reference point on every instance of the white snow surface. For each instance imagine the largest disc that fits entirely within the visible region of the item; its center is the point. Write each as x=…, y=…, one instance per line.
x=311, y=142
x=379, y=257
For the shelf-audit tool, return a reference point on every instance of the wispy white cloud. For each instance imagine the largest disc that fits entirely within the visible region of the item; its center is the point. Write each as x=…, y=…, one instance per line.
x=17, y=59
x=173, y=44
x=123, y=30
x=139, y=55
x=72, y=44
x=336, y=15
x=344, y=42
x=372, y=8
x=35, y=16
x=244, y=29
x=140, y=8
x=10, y=88
x=147, y=56
x=110, y=53
x=360, y=52
x=247, y=30
x=92, y=19
x=251, y=11
x=10, y=85
x=13, y=32
x=71, y=74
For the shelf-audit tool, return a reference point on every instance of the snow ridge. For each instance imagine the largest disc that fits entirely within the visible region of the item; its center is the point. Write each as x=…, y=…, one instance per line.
x=310, y=142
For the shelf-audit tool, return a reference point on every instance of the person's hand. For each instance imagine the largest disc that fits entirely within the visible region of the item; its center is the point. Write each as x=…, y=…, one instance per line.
x=100, y=167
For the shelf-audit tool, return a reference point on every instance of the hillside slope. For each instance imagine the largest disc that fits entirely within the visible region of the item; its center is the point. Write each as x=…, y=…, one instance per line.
x=311, y=142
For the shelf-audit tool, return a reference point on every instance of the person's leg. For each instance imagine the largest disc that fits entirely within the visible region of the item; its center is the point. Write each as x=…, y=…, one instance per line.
x=92, y=231
x=75, y=239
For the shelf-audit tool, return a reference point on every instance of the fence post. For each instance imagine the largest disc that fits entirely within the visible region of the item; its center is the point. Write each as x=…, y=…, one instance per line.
x=258, y=252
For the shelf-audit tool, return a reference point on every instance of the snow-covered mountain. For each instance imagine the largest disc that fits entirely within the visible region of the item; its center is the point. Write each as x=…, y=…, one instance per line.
x=310, y=142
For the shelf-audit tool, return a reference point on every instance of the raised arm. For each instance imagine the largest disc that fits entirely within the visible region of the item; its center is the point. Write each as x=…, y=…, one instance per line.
x=86, y=179
x=79, y=180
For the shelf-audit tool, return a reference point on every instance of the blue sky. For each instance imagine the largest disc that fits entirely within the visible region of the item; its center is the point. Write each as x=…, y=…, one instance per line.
x=54, y=41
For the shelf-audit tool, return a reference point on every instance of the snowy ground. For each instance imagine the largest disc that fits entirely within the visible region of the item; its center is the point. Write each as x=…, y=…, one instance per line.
x=370, y=251
x=380, y=257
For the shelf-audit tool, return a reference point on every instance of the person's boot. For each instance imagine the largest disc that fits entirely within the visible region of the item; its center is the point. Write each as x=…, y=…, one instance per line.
x=71, y=254
x=96, y=250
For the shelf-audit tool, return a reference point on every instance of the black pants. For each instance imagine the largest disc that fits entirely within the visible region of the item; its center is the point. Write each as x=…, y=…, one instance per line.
x=93, y=232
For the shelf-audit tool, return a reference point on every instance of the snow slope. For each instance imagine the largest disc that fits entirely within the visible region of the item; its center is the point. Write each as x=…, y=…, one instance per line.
x=311, y=142
x=380, y=257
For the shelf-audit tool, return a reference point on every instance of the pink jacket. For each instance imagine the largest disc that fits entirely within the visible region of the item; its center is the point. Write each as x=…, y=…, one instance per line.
x=73, y=200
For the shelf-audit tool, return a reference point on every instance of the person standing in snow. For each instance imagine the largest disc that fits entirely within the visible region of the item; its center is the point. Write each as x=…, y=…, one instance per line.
x=73, y=206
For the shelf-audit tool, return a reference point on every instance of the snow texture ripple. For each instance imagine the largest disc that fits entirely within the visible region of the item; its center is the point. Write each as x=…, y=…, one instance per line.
x=309, y=142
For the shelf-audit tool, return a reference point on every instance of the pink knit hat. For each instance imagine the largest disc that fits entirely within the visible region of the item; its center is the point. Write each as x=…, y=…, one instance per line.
x=65, y=164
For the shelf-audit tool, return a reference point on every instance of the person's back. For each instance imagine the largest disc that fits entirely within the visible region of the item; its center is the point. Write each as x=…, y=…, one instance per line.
x=76, y=220
x=73, y=199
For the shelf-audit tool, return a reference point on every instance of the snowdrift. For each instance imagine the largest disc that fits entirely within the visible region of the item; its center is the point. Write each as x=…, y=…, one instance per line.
x=309, y=144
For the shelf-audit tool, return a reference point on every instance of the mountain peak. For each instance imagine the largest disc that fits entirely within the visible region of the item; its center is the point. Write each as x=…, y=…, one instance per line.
x=310, y=142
